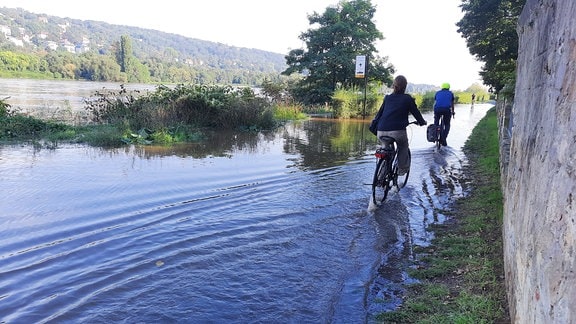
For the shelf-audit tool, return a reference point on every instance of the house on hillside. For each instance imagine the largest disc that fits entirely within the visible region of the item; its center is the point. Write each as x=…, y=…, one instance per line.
x=15, y=41
x=68, y=46
x=5, y=30
x=52, y=45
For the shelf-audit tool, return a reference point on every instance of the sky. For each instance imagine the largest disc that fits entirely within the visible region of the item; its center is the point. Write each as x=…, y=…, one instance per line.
x=420, y=36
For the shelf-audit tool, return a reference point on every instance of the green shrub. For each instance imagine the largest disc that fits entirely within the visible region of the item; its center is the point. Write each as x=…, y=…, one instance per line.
x=18, y=126
x=197, y=105
x=425, y=102
x=289, y=112
x=349, y=103
x=4, y=108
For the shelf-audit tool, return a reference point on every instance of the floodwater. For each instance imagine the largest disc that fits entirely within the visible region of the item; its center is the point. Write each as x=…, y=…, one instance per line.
x=28, y=95
x=245, y=228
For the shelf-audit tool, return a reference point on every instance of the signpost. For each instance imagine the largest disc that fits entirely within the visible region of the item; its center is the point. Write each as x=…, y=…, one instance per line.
x=361, y=73
x=360, y=66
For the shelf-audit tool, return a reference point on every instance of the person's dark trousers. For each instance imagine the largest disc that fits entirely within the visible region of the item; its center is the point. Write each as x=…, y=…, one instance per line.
x=447, y=117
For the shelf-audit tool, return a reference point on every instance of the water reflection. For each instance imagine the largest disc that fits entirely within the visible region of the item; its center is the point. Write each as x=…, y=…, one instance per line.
x=222, y=143
x=322, y=143
x=315, y=143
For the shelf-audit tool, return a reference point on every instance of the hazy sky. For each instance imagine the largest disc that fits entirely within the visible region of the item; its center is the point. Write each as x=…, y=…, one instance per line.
x=421, y=40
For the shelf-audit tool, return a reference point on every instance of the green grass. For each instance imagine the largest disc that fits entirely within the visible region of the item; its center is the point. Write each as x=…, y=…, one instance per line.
x=461, y=273
x=26, y=75
x=289, y=112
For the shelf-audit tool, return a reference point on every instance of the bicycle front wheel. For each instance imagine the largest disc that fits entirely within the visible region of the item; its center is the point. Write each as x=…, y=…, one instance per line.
x=380, y=183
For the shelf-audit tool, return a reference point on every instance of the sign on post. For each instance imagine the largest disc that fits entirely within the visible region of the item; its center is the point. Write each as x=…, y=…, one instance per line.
x=360, y=66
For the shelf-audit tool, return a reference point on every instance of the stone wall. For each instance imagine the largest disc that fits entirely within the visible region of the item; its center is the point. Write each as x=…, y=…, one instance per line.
x=540, y=183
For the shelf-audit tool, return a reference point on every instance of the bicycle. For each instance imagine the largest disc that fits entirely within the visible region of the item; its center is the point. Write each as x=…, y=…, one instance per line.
x=439, y=128
x=386, y=173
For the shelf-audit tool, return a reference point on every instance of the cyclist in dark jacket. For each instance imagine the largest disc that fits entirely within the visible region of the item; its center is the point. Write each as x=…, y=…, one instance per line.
x=393, y=118
x=444, y=106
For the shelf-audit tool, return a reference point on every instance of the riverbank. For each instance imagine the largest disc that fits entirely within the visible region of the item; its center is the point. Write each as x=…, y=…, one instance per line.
x=461, y=278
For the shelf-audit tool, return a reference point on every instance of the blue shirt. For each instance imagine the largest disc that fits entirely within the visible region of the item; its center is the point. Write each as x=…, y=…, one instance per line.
x=443, y=100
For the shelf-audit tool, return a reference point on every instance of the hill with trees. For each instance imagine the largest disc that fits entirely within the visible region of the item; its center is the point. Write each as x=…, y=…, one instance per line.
x=83, y=49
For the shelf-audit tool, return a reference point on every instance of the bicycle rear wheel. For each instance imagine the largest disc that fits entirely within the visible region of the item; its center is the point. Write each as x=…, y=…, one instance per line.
x=380, y=183
x=439, y=132
x=400, y=180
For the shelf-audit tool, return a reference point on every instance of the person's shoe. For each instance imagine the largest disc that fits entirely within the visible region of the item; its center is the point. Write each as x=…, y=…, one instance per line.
x=444, y=143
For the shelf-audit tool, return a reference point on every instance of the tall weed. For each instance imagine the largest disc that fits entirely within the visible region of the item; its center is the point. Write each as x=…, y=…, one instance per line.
x=192, y=105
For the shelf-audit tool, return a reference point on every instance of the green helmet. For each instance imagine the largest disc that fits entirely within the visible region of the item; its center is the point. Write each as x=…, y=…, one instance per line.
x=446, y=85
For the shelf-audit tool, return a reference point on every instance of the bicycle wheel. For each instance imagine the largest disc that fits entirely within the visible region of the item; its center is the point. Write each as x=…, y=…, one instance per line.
x=400, y=180
x=439, y=132
x=380, y=185
x=439, y=135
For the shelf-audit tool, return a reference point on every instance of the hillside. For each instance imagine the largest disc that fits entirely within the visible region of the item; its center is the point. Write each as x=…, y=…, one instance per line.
x=27, y=32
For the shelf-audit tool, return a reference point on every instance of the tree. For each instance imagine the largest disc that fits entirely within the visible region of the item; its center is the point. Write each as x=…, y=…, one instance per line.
x=137, y=72
x=62, y=64
x=273, y=90
x=96, y=67
x=344, y=31
x=124, y=52
x=129, y=64
x=489, y=27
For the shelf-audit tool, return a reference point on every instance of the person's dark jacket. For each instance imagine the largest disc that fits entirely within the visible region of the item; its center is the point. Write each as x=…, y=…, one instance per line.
x=393, y=114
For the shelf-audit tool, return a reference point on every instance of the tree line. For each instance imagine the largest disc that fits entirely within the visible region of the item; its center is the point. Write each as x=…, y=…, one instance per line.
x=93, y=66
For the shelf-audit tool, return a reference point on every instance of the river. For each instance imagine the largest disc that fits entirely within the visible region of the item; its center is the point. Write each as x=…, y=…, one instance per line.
x=29, y=96
x=274, y=227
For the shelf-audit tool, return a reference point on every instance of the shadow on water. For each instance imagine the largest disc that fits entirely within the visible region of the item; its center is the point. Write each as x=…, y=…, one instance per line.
x=244, y=227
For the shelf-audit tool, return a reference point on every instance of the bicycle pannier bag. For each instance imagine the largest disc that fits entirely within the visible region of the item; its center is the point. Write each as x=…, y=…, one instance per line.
x=431, y=133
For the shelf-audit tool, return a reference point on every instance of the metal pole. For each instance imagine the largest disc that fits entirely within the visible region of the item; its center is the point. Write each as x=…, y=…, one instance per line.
x=365, y=86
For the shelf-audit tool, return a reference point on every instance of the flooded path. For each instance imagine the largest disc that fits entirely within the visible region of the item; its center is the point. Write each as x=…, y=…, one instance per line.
x=247, y=228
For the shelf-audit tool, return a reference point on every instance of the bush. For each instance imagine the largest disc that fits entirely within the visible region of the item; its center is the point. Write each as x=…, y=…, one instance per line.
x=350, y=103
x=193, y=105
x=425, y=102
x=18, y=126
x=289, y=112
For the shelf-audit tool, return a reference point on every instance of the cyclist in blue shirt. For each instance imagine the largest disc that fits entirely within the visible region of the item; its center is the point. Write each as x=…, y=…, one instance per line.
x=444, y=106
x=392, y=118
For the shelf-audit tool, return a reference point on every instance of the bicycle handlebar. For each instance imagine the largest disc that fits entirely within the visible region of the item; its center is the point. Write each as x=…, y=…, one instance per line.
x=415, y=122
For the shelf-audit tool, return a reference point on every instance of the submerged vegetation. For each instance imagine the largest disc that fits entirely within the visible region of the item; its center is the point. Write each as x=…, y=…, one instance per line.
x=167, y=115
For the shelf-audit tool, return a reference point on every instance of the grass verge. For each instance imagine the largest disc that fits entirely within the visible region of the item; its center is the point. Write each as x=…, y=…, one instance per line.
x=461, y=278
